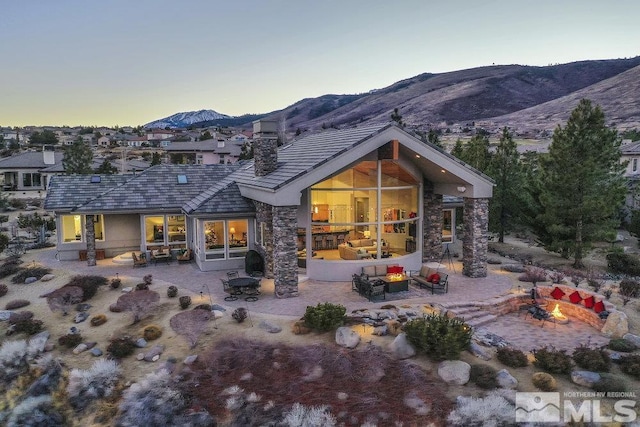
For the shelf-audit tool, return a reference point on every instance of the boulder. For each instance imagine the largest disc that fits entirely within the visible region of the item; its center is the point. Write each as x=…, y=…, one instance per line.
x=506, y=380
x=616, y=325
x=218, y=307
x=47, y=277
x=380, y=331
x=127, y=289
x=83, y=306
x=5, y=314
x=80, y=348
x=189, y=360
x=270, y=327
x=153, y=354
x=585, y=378
x=141, y=343
x=632, y=338
x=38, y=342
x=394, y=327
x=401, y=348
x=217, y=314
x=90, y=344
x=95, y=351
x=454, y=371
x=347, y=337
x=81, y=317
x=489, y=339
x=29, y=280
x=480, y=351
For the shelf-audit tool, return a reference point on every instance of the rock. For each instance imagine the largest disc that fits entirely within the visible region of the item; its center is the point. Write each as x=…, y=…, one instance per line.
x=48, y=382
x=217, y=314
x=247, y=376
x=29, y=280
x=585, y=378
x=342, y=395
x=141, y=343
x=189, y=360
x=47, y=277
x=154, y=354
x=90, y=344
x=39, y=341
x=218, y=307
x=299, y=328
x=413, y=401
x=454, y=371
x=73, y=330
x=270, y=327
x=401, y=348
x=49, y=347
x=484, y=337
x=167, y=366
x=614, y=356
x=80, y=348
x=140, y=356
x=95, y=351
x=127, y=289
x=5, y=314
x=81, y=317
x=632, y=338
x=394, y=327
x=380, y=331
x=83, y=306
x=506, y=380
x=315, y=374
x=347, y=337
x=480, y=351
x=616, y=325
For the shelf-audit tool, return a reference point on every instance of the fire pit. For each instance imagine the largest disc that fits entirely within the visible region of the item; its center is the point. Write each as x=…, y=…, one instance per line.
x=557, y=314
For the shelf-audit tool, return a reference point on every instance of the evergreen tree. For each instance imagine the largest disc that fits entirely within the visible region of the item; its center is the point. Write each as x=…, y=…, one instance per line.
x=206, y=135
x=106, y=168
x=476, y=152
x=396, y=117
x=77, y=158
x=246, y=152
x=156, y=159
x=46, y=137
x=434, y=137
x=504, y=168
x=458, y=149
x=532, y=172
x=584, y=185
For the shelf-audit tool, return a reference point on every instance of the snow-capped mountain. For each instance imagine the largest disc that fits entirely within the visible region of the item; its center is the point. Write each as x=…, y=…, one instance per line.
x=182, y=120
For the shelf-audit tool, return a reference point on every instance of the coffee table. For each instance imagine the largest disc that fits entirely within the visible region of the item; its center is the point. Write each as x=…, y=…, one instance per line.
x=395, y=285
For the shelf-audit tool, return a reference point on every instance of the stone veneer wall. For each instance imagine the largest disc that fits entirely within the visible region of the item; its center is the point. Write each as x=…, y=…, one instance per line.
x=265, y=149
x=264, y=214
x=285, y=238
x=476, y=237
x=90, y=231
x=431, y=224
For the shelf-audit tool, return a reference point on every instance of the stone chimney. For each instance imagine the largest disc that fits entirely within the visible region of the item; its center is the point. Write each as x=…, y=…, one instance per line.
x=48, y=154
x=265, y=146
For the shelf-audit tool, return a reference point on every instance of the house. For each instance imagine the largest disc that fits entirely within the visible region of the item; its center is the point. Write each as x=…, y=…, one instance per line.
x=206, y=152
x=630, y=155
x=374, y=186
x=27, y=171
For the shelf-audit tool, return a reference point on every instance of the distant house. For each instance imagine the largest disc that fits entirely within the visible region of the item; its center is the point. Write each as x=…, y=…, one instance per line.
x=159, y=134
x=630, y=154
x=28, y=171
x=208, y=152
x=367, y=196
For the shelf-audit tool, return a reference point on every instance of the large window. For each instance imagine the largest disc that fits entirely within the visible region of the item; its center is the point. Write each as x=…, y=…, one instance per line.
x=165, y=230
x=225, y=238
x=376, y=200
x=73, y=228
x=31, y=180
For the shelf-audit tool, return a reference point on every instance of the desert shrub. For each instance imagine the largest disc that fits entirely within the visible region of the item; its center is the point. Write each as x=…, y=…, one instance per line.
x=172, y=291
x=152, y=332
x=544, y=381
x=609, y=383
x=553, y=361
x=324, y=317
x=184, y=301
x=20, y=315
x=300, y=415
x=16, y=355
x=98, y=319
x=533, y=275
x=484, y=376
x=139, y=303
x=142, y=287
x=3, y=289
x=512, y=357
x=70, y=340
x=556, y=277
x=88, y=284
x=115, y=308
x=592, y=359
x=115, y=283
x=94, y=383
x=622, y=345
x=629, y=289
x=622, y=263
x=239, y=314
x=439, y=337
x=190, y=324
x=36, y=411
x=16, y=304
x=147, y=279
x=206, y=307
x=492, y=410
x=630, y=365
x=595, y=279
x=607, y=293
x=28, y=326
x=36, y=272
x=575, y=275
x=121, y=347
x=7, y=269
x=64, y=298
x=154, y=401
x=514, y=268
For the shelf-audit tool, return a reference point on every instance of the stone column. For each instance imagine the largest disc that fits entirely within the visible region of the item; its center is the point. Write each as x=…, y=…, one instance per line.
x=431, y=224
x=90, y=234
x=264, y=214
x=476, y=237
x=285, y=238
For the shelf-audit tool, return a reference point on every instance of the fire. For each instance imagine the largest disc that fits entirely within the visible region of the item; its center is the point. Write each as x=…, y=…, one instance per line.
x=395, y=276
x=557, y=313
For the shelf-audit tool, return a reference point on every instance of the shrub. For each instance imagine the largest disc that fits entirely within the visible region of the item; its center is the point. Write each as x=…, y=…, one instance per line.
x=630, y=365
x=7, y=269
x=300, y=415
x=88, y=284
x=184, y=301
x=16, y=304
x=556, y=277
x=139, y=303
x=595, y=279
x=19, y=315
x=609, y=383
x=629, y=289
x=87, y=385
x=147, y=279
x=324, y=317
x=64, y=298
x=98, y=319
x=622, y=263
x=36, y=411
x=121, y=347
x=28, y=326
x=152, y=332
x=190, y=324
x=15, y=356
x=512, y=357
x=544, y=381
x=3, y=289
x=514, y=268
x=484, y=376
x=36, y=272
x=553, y=361
x=622, y=345
x=206, y=307
x=492, y=410
x=142, y=287
x=172, y=291
x=115, y=283
x=239, y=314
x=575, y=275
x=592, y=359
x=533, y=275
x=115, y=308
x=70, y=340
x=440, y=337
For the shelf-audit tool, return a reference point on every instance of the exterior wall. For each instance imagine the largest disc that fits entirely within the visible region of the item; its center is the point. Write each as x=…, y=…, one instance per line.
x=431, y=224
x=476, y=237
x=285, y=270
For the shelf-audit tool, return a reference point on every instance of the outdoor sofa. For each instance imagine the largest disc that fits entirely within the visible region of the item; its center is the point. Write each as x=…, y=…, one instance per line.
x=430, y=278
x=359, y=249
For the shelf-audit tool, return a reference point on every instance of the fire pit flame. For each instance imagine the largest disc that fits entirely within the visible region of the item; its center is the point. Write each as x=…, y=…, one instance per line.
x=395, y=276
x=557, y=314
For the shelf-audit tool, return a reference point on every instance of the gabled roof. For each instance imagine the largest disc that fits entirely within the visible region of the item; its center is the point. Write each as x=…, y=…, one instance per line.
x=223, y=197
x=66, y=192
x=29, y=160
x=630, y=149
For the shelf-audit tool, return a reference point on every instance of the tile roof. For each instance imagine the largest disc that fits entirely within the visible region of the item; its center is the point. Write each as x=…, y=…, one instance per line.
x=29, y=159
x=306, y=154
x=631, y=148
x=66, y=192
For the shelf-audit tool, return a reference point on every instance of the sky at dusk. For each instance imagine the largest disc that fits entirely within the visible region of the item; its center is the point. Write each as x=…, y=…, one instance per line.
x=128, y=62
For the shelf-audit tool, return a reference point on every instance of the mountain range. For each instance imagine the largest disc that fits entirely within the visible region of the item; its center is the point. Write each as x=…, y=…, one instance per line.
x=526, y=98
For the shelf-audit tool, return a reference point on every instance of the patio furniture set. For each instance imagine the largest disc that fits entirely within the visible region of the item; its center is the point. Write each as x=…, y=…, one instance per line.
x=236, y=286
x=377, y=280
x=161, y=255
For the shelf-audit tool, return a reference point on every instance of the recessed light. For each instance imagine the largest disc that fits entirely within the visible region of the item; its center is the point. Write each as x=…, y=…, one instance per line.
x=443, y=171
x=417, y=156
